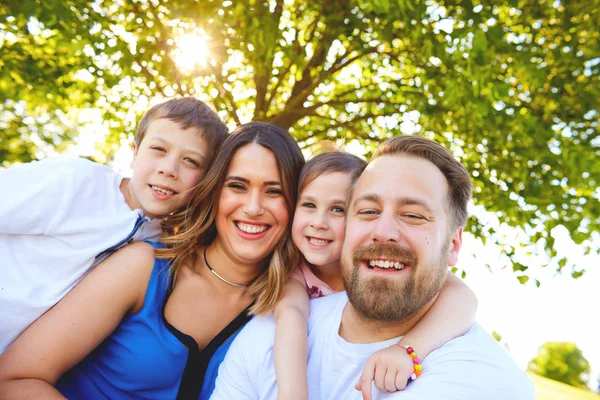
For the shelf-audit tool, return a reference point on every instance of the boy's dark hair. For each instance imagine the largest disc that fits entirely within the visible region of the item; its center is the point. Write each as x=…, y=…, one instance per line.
x=188, y=112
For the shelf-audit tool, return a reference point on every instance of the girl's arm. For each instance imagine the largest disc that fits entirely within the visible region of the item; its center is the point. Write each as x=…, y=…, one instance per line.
x=291, y=348
x=451, y=315
x=75, y=326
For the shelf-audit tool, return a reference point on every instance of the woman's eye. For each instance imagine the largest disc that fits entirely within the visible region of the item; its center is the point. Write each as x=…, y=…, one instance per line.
x=236, y=186
x=277, y=192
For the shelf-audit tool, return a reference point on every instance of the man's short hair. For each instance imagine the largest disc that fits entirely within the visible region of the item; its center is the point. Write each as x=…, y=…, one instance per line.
x=188, y=112
x=459, y=180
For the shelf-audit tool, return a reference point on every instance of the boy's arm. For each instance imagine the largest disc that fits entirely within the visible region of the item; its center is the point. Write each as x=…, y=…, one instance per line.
x=451, y=316
x=74, y=327
x=291, y=341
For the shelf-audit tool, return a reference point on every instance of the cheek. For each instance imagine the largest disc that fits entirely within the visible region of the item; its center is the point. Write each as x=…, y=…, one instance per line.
x=339, y=229
x=298, y=226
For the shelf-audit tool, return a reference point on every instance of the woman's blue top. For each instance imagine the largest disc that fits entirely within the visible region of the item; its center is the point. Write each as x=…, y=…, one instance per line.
x=148, y=358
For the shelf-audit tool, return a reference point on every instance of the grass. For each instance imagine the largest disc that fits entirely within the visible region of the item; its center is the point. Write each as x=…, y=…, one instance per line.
x=547, y=389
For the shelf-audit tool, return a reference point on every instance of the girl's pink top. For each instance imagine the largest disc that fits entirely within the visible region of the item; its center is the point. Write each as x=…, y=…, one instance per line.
x=314, y=286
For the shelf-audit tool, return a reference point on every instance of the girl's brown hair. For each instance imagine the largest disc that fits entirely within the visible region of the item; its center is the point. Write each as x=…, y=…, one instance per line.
x=335, y=161
x=196, y=224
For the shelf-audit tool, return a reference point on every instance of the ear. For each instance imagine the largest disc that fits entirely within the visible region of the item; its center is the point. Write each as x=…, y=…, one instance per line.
x=455, y=246
x=134, y=149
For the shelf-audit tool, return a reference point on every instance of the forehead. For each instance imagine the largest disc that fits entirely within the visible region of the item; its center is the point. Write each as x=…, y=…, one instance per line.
x=254, y=159
x=394, y=177
x=328, y=185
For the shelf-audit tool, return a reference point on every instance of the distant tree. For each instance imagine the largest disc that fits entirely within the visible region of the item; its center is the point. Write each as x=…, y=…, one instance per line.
x=563, y=362
x=498, y=338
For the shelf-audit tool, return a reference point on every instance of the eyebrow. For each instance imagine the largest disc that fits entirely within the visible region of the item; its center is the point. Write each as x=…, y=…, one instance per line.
x=400, y=201
x=195, y=152
x=239, y=178
x=334, y=201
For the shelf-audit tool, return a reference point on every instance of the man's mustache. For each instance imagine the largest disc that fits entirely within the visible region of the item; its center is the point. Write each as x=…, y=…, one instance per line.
x=389, y=251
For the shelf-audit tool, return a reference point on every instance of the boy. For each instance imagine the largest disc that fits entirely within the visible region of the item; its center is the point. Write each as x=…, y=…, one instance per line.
x=60, y=217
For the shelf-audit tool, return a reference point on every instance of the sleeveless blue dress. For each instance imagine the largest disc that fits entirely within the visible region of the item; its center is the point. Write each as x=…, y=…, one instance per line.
x=148, y=358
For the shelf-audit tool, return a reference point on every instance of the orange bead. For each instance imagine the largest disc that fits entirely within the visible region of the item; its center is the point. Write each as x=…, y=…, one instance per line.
x=417, y=373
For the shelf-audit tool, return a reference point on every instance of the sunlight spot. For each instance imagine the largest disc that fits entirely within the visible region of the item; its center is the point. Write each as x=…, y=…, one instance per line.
x=192, y=51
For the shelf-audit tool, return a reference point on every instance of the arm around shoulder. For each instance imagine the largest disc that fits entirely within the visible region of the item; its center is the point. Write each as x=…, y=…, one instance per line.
x=74, y=327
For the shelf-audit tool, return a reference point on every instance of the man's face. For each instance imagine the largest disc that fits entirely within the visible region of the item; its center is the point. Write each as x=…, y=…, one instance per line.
x=398, y=242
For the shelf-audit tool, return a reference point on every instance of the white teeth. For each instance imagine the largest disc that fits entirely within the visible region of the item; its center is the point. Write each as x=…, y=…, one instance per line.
x=386, y=264
x=318, y=242
x=161, y=190
x=252, y=228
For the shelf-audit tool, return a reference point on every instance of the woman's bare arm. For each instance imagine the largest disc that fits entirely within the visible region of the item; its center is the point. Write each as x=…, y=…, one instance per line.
x=75, y=326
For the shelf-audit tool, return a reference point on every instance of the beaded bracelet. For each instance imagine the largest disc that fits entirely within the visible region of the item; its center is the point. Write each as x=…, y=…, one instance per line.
x=416, y=361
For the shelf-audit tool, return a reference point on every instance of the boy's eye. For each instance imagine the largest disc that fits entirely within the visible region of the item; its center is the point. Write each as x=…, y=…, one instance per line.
x=308, y=205
x=192, y=161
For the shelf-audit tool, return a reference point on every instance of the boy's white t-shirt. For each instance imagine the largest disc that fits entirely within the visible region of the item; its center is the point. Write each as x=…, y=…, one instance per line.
x=58, y=218
x=470, y=367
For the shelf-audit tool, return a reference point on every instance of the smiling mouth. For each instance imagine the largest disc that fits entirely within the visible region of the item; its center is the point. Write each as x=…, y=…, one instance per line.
x=161, y=190
x=385, y=264
x=318, y=242
x=251, y=229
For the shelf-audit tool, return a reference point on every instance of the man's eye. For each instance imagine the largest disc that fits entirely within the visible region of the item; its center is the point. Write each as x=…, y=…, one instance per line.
x=367, y=212
x=413, y=216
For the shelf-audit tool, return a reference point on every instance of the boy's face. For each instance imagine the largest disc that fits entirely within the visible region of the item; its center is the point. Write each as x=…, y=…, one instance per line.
x=168, y=163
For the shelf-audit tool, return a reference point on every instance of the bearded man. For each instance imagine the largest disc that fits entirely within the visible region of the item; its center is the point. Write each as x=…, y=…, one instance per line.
x=404, y=227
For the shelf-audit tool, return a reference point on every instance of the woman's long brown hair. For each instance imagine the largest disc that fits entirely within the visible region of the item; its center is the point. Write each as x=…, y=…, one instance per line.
x=195, y=225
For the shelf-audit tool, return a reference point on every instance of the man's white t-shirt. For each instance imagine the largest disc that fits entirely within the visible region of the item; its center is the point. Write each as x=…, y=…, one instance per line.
x=58, y=218
x=470, y=367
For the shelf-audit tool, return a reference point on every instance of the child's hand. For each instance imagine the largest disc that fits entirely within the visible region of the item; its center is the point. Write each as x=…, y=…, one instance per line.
x=390, y=368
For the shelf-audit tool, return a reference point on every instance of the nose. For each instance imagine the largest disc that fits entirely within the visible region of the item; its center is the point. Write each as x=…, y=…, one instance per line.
x=253, y=207
x=169, y=167
x=319, y=220
x=386, y=229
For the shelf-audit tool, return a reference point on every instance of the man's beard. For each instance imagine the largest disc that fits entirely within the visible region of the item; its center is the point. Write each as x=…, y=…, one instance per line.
x=383, y=299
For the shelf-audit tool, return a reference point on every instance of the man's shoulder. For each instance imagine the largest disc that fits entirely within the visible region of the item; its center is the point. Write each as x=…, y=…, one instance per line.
x=324, y=307
x=475, y=362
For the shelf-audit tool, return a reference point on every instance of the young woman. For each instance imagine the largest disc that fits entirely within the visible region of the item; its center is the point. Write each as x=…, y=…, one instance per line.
x=137, y=327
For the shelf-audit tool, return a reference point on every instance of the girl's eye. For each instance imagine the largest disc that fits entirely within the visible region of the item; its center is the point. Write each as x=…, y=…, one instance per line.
x=308, y=205
x=338, y=210
x=192, y=161
x=158, y=148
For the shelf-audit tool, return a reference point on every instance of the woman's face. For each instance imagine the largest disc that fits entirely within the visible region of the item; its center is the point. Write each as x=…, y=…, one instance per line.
x=252, y=214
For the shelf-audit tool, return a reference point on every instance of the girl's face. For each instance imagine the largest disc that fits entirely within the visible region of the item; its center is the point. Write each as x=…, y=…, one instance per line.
x=252, y=215
x=319, y=222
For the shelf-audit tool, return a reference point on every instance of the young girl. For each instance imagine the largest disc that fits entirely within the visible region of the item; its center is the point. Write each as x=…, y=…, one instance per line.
x=318, y=231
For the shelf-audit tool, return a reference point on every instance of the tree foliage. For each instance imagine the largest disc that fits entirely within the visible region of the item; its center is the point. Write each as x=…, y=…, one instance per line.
x=563, y=362
x=510, y=86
